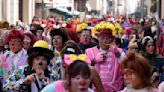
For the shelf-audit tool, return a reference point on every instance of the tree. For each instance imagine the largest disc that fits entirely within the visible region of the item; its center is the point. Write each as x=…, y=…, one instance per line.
x=153, y=7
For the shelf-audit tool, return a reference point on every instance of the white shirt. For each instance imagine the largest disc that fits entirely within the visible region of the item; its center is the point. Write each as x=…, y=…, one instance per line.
x=17, y=57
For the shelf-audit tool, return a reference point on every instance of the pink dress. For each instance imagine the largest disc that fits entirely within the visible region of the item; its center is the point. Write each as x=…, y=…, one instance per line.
x=108, y=70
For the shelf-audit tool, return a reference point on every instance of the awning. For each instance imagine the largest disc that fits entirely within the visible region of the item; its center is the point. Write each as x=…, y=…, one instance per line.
x=61, y=11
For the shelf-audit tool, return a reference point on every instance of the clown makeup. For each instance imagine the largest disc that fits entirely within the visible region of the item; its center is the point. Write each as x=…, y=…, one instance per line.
x=26, y=42
x=40, y=62
x=15, y=45
x=85, y=37
x=80, y=83
x=57, y=41
x=103, y=41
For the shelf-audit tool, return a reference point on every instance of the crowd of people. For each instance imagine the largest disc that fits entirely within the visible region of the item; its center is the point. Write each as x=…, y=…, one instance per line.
x=108, y=54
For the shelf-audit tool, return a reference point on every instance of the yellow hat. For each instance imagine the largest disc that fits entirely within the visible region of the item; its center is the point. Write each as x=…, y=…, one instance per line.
x=41, y=47
x=41, y=43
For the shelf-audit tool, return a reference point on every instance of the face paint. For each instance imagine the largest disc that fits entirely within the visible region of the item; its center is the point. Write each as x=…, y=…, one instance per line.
x=40, y=62
x=15, y=45
x=80, y=83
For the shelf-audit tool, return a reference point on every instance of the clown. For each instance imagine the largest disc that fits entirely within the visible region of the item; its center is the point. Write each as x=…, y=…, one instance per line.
x=15, y=57
x=69, y=53
x=137, y=74
x=77, y=79
x=107, y=59
x=35, y=76
x=58, y=38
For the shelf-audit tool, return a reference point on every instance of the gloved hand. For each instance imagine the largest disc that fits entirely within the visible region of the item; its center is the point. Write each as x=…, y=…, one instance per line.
x=100, y=57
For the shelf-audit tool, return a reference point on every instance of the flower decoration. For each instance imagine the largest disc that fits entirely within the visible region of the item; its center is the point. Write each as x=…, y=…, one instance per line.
x=81, y=26
x=103, y=25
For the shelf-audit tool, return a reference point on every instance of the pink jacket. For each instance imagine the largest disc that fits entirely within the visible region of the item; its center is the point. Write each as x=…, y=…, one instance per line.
x=108, y=70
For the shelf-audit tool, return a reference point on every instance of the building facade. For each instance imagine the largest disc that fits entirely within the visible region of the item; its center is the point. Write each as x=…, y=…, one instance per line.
x=99, y=6
x=66, y=4
x=42, y=8
x=14, y=10
x=162, y=9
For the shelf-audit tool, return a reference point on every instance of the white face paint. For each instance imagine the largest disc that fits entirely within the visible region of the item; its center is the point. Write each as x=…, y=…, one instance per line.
x=80, y=83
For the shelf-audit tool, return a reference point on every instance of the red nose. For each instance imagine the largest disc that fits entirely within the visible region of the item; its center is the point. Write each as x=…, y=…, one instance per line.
x=82, y=82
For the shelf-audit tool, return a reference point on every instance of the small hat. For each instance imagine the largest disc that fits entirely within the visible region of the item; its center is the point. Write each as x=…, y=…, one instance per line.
x=41, y=46
x=128, y=30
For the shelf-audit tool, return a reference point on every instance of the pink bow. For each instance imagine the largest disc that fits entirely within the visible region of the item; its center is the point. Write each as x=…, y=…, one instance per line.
x=70, y=58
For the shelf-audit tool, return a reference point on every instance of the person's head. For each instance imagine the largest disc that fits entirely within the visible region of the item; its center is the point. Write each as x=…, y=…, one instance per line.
x=85, y=37
x=15, y=39
x=3, y=38
x=128, y=32
x=137, y=72
x=133, y=46
x=39, y=30
x=39, y=55
x=33, y=28
x=59, y=37
x=28, y=40
x=38, y=60
x=70, y=47
x=105, y=38
x=78, y=76
x=148, y=45
x=73, y=36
